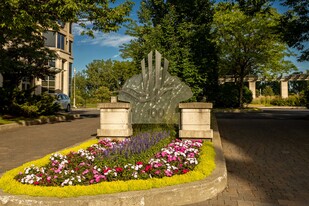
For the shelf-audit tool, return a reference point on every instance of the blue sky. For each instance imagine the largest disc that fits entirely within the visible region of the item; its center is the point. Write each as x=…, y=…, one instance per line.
x=106, y=46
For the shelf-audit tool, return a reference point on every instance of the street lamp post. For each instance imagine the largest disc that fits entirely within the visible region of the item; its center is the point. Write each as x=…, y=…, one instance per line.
x=74, y=98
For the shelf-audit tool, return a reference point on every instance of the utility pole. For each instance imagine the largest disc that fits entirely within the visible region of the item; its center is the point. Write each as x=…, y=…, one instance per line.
x=74, y=98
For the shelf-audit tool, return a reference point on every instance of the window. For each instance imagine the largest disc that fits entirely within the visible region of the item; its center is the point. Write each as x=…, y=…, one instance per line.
x=25, y=84
x=60, y=41
x=48, y=84
x=50, y=39
x=70, y=47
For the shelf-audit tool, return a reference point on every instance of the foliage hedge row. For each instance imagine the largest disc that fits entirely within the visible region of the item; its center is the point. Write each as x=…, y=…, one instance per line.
x=228, y=96
x=9, y=185
x=26, y=104
x=294, y=100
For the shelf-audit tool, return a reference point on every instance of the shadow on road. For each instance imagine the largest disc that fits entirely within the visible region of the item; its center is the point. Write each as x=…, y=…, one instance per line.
x=266, y=156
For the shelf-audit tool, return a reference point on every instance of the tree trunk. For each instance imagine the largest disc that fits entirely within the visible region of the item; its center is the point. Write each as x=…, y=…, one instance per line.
x=241, y=86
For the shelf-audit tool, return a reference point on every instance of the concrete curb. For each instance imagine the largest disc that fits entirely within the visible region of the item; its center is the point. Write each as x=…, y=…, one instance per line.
x=23, y=123
x=184, y=194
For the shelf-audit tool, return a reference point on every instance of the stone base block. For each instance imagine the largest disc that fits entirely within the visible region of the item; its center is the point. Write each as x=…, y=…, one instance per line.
x=114, y=132
x=196, y=134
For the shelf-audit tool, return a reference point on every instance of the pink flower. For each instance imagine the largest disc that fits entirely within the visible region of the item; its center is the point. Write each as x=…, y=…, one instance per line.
x=97, y=179
x=157, y=165
x=85, y=172
x=191, y=155
x=55, y=177
x=157, y=172
x=168, y=173
x=59, y=169
x=163, y=154
x=91, y=181
x=48, y=178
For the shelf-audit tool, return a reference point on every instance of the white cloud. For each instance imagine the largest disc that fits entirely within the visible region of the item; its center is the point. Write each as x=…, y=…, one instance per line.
x=117, y=55
x=102, y=39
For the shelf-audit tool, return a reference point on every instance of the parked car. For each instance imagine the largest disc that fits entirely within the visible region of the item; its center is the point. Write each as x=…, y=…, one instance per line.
x=64, y=101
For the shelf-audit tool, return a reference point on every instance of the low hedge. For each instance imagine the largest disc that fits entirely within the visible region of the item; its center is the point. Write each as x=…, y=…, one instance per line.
x=9, y=185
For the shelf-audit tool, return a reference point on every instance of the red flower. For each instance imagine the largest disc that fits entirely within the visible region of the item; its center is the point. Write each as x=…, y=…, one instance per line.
x=36, y=183
x=148, y=168
x=139, y=163
x=118, y=169
x=184, y=171
x=106, y=170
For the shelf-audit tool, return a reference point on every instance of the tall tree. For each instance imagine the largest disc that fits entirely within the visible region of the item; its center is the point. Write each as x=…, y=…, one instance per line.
x=103, y=78
x=295, y=26
x=248, y=44
x=22, y=22
x=180, y=30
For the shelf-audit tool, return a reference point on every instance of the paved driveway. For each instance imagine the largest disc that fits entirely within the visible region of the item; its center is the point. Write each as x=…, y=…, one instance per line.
x=267, y=158
x=267, y=153
x=23, y=144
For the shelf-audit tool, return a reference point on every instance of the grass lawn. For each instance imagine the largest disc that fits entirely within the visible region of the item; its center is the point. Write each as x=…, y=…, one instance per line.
x=5, y=121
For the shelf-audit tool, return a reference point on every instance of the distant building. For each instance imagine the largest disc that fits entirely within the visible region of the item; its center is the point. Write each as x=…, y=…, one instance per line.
x=62, y=43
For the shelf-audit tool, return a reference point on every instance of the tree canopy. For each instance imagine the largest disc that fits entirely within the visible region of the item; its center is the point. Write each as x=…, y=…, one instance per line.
x=22, y=52
x=180, y=31
x=101, y=79
x=295, y=26
x=248, y=45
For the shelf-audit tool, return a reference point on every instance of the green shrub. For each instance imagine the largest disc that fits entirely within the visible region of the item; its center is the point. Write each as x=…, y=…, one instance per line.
x=306, y=98
x=228, y=96
x=263, y=100
x=268, y=91
x=26, y=104
x=294, y=100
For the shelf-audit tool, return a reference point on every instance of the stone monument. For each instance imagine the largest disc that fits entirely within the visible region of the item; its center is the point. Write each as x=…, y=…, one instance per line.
x=154, y=94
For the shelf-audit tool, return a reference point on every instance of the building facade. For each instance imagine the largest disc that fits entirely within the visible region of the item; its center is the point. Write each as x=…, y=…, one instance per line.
x=62, y=43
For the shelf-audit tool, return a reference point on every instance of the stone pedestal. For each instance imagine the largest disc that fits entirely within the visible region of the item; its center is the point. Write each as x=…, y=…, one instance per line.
x=115, y=120
x=195, y=121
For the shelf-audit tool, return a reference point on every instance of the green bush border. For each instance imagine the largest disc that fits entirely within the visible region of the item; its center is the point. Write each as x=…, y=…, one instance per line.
x=9, y=185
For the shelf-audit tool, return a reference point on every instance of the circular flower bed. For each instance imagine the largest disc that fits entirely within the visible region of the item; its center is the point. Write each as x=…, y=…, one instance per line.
x=111, y=160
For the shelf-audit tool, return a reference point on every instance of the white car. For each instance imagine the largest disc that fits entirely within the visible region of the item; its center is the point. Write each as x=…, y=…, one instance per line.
x=64, y=101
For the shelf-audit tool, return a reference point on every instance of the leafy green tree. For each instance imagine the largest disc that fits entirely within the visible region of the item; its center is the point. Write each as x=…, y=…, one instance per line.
x=82, y=93
x=180, y=30
x=248, y=44
x=101, y=79
x=110, y=74
x=295, y=26
x=102, y=94
x=251, y=7
x=268, y=91
x=22, y=22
